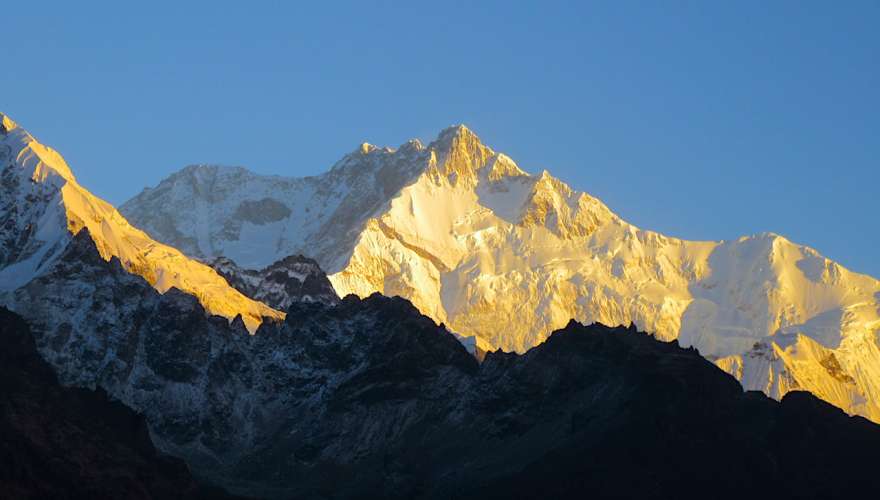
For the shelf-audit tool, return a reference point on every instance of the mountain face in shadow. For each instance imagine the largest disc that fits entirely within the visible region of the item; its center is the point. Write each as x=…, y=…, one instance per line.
x=59, y=442
x=369, y=398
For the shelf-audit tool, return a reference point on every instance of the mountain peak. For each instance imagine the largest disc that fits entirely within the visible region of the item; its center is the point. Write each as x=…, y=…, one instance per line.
x=37, y=161
x=460, y=152
x=458, y=130
x=457, y=137
x=6, y=124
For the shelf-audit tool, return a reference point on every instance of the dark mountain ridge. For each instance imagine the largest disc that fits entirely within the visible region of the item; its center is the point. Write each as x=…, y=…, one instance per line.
x=369, y=398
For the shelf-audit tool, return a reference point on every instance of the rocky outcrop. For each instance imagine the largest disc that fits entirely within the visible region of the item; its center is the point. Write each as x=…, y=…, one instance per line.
x=281, y=284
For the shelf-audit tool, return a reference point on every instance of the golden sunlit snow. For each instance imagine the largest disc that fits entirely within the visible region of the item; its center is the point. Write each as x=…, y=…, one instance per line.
x=162, y=266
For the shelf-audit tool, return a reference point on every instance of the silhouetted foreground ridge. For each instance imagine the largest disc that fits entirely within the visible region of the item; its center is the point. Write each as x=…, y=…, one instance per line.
x=69, y=443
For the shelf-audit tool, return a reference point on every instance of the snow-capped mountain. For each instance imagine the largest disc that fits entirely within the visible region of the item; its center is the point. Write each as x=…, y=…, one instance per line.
x=493, y=252
x=360, y=388
x=42, y=206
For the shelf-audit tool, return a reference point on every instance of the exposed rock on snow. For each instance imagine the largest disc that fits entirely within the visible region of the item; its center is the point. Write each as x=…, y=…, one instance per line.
x=292, y=279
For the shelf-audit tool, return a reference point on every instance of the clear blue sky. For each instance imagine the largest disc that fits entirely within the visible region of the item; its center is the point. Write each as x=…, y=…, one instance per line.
x=702, y=120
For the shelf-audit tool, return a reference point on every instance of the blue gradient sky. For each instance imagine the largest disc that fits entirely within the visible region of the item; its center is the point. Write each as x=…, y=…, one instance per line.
x=702, y=120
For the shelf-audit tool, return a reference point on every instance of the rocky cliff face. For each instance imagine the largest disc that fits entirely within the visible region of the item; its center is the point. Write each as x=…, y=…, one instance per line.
x=281, y=284
x=506, y=257
x=58, y=442
x=376, y=393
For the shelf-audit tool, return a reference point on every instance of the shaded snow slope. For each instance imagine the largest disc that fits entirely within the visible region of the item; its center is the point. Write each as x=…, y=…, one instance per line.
x=42, y=206
x=493, y=252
